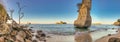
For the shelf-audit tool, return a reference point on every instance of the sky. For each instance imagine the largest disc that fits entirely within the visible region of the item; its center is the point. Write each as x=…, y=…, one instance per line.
x=52, y=11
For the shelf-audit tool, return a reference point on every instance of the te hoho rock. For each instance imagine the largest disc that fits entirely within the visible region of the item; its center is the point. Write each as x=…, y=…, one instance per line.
x=84, y=19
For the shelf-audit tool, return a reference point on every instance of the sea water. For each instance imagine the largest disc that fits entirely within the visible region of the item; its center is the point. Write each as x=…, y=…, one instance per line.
x=98, y=31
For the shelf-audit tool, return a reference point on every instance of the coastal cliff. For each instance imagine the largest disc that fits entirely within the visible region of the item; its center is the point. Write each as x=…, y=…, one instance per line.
x=84, y=18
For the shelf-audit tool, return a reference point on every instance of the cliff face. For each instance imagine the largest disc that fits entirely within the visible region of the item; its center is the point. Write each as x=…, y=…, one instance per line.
x=84, y=18
x=4, y=28
x=3, y=14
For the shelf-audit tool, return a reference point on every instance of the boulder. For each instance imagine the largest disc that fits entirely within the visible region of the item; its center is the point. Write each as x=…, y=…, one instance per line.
x=2, y=39
x=84, y=18
x=22, y=34
x=19, y=38
x=113, y=39
x=4, y=28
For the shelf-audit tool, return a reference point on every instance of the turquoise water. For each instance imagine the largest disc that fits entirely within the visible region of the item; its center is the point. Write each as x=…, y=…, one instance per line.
x=55, y=28
x=67, y=28
x=98, y=31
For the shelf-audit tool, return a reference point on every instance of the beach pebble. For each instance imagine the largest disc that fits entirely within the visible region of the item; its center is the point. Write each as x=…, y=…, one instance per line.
x=31, y=27
x=116, y=31
x=39, y=32
x=113, y=28
x=109, y=34
x=106, y=29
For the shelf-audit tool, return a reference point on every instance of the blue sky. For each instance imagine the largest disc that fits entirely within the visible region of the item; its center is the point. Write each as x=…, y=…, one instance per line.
x=51, y=11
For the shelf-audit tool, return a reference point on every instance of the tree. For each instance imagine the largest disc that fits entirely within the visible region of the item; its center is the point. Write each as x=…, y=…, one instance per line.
x=21, y=14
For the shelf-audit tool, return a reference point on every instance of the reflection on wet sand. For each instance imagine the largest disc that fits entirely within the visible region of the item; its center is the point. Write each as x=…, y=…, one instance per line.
x=82, y=35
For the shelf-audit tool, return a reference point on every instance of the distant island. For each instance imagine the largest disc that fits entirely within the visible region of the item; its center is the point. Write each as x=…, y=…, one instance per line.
x=61, y=22
x=96, y=24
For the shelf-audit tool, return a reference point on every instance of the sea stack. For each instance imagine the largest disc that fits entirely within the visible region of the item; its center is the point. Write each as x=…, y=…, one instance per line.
x=84, y=19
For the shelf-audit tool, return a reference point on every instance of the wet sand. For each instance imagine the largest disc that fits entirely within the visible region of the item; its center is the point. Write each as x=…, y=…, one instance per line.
x=95, y=37
x=61, y=38
x=106, y=38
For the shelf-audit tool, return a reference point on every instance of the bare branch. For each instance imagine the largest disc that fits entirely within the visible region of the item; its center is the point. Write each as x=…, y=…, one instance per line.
x=22, y=15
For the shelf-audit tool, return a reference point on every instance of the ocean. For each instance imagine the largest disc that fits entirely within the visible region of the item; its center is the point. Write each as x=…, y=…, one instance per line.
x=97, y=31
x=68, y=28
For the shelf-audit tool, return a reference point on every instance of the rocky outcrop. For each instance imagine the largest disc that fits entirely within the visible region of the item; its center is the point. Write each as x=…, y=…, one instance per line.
x=84, y=18
x=117, y=23
x=12, y=33
x=4, y=27
x=3, y=14
x=61, y=22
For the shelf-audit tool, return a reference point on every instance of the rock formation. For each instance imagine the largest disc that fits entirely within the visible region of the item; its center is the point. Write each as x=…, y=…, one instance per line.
x=117, y=23
x=61, y=22
x=12, y=33
x=84, y=18
x=17, y=33
x=4, y=28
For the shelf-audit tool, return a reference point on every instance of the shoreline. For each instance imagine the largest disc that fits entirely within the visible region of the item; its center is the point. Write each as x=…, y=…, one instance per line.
x=61, y=38
x=106, y=38
x=70, y=38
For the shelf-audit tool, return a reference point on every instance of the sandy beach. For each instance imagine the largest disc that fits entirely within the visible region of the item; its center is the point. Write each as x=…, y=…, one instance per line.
x=61, y=38
x=106, y=38
x=70, y=38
